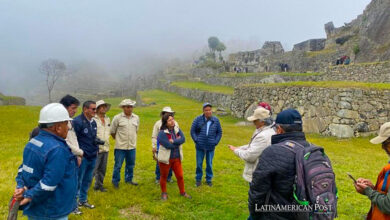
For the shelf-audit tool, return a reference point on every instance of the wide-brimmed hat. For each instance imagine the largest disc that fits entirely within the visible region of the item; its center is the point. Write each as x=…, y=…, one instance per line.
x=127, y=102
x=259, y=114
x=167, y=109
x=102, y=102
x=384, y=134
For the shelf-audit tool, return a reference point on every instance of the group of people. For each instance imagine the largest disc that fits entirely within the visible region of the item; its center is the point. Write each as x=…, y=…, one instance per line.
x=64, y=154
x=346, y=60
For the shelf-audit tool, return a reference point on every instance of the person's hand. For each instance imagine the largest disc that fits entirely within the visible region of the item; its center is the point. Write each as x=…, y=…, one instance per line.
x=231, y=147
x=171, y=141
x=25, y=201
x=360, y=187
x=368, y=183
x=79, y=159
x=18, y=193
x=154, y=150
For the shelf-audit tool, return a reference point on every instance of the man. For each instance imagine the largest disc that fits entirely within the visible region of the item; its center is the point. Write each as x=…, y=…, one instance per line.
x=85, y=128
x=260, y=140
x=52, y=183
x=378, y=194
x=124, y=130
x=71, y=104
x=155, y=146
x=103, y=133
x=273, y=178
x=206, y=132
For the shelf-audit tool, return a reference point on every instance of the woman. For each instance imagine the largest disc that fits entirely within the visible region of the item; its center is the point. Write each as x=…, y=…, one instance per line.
x=378, y=193
x=170, y=155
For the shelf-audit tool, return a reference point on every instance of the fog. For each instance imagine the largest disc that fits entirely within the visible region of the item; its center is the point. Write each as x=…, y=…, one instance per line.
x=129, y=37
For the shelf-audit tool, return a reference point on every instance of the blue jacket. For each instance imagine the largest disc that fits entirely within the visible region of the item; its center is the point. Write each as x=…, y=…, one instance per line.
x=163, y=138
x=86, y=135
x=49, y=171
x=199, y=129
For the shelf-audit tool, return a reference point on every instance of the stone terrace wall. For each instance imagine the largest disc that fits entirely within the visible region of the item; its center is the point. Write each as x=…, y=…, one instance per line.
x=237, y=81
x=376, y=72
x=329, y=111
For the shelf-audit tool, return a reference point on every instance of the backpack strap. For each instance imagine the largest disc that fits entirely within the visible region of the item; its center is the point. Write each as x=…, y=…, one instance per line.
x=291, y=145
x=385, y=181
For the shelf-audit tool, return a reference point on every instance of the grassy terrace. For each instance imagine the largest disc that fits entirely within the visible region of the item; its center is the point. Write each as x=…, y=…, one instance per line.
x=320, y=52
x=227, y=199
x=204, y=87
x=326, y=84
x=238, y=75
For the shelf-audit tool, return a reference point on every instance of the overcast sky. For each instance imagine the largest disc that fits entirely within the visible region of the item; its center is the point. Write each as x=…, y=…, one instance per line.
x=118, y=33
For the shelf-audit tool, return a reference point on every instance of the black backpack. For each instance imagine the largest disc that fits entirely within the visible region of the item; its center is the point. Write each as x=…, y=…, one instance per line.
x=315, y=182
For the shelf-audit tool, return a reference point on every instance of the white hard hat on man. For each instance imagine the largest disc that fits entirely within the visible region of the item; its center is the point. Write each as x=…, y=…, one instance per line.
x=53, y=112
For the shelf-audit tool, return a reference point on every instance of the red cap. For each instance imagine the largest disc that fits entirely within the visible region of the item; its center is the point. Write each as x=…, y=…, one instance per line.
x=265, y=105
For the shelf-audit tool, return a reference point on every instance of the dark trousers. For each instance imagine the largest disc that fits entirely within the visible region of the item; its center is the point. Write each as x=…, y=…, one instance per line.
x=200, y=155
x=85, y=178
x=100, y=169
x=120, y=156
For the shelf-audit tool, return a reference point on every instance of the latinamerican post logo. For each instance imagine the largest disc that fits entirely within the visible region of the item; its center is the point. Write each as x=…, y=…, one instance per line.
x=316, y=208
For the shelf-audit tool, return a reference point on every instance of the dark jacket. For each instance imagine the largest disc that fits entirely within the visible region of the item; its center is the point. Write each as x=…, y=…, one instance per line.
x=49, y=172
x=274, y=175
x=198, y=133
x=163, y=139
x=86, y=135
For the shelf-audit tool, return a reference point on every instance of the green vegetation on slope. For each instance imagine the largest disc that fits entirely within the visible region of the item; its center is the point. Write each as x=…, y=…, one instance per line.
x=242, y=75
x=204, y=87
x=326, y=84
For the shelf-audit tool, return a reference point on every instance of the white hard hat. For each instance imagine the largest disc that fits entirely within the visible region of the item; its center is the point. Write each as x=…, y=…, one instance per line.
x=53, y=112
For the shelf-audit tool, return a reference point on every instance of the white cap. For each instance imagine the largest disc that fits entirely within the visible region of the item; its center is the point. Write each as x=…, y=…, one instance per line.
x=384, y=134
x=127, y=102
x=259, y=114
x=102, y=102
x=167, y=109
x=53, y=112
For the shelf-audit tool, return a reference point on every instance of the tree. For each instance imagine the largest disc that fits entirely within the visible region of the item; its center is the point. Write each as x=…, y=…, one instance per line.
x=213, y=43
x=220, y=47
x=53, y=70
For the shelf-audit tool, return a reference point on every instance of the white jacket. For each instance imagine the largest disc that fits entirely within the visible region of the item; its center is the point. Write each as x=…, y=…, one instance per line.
x=250, y=153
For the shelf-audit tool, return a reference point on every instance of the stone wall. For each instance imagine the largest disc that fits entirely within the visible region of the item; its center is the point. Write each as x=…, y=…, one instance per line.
x=237, y=81
x=340, y=112
x=311, y=45
x=375, y=72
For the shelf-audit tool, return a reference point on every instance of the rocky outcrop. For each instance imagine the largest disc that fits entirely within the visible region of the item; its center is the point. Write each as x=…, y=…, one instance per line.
x=310, y=45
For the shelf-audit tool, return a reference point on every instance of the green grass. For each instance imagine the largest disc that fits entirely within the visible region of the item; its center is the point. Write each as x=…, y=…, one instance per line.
x=362, y=64
x=320, y=52
x=243, y=75
x=204, y=87
x=227, y=199
x=326, y=84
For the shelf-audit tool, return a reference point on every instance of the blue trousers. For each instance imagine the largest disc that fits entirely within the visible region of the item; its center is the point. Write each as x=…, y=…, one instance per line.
x=85, y=178
x=158, y=172
x=200, y=155
x=120, y=156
